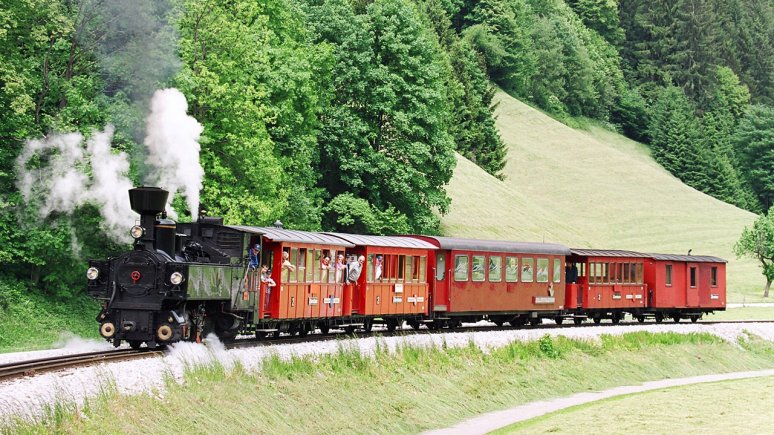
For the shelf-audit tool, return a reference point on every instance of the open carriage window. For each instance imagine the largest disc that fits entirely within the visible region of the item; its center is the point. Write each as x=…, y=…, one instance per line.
x=495, y=269
x=478, y=272
x=461, y=268
x=511, y=269
x=527, y=269
x=292, y=274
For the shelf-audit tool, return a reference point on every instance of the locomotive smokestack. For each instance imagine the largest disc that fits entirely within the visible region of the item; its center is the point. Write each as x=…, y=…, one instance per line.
x=148, y=202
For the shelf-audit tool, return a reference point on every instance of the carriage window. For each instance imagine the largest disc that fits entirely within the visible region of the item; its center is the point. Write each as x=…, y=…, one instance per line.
x=422, y=269
x=511, y=269
x=479, y=268
x=401, y=266
x=495, y=269
x=378, y=268
x=294, y=262
x=626, y=278
x=310, y=265
x=390, y=267
x=542, y=270
x=606, y=273
x=317, y=264
x=693, y=277
x=557, y=270
x=409, y=268
x=668, y=274
x=370, y=268
x=527, y=272
x=639, y=273
x=619, y=273
x=440, y=267
x=415, y=270
x=461, y=268
x=714, y=277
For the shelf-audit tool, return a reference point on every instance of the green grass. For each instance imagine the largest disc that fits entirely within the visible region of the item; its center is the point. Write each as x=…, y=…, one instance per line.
x=738, y=406
x=29, y=320
x=743, y=313
x=407, y=391
x=593, y=188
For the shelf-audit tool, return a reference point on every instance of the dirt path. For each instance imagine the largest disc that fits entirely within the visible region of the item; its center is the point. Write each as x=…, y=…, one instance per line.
x=494, y=420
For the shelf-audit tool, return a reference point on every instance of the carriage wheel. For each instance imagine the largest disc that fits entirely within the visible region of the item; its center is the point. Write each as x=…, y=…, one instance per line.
x=577, y=320
x=597, y=320
x=559, y=320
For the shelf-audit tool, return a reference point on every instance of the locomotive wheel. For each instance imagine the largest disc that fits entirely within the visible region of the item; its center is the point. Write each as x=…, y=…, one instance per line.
x=559, y=320
x=135, y=344
x=577, y=320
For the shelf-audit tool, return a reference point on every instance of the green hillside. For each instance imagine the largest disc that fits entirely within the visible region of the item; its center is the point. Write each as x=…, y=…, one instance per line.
x=592, y=189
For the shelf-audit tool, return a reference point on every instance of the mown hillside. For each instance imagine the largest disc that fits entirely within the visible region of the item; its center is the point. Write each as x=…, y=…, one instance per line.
x=592, y=188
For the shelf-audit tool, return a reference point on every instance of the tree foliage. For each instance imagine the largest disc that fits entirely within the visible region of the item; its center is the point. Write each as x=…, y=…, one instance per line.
x=754, y=146
x=758, y=242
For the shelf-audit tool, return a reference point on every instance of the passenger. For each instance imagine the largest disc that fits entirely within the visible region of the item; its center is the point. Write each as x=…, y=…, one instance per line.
x=325, y=267
x=378, y=268
x=254, y=252
x=355, y=269
x=266, y=277
x=286, y=264
x=340, y=267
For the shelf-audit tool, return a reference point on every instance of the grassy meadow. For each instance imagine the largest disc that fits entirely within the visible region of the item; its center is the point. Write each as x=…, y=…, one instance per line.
x=407, y=391
x=593, y=188
x=715, y=408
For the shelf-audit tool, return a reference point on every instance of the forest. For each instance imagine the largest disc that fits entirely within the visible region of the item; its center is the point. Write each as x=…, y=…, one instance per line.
x=346, y=114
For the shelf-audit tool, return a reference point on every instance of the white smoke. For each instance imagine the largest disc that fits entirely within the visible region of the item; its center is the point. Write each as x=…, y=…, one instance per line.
x=172, y=142
x=70, y=176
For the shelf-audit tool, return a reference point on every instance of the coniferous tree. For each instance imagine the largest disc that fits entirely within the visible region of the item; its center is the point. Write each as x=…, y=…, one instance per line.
x=754, y=146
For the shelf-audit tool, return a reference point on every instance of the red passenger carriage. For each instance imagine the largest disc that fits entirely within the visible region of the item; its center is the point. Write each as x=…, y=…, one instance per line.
x=505, y=281
x=605, y=284
x=685, y=286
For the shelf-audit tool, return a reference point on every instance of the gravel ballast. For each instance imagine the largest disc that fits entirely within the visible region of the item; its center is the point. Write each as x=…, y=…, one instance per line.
x=30, y=397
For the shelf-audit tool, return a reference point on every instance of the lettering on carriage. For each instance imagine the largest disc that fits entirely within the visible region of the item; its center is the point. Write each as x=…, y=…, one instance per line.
x=629, y=296
x=399, y=288
x=378, y=300
x=714, y=296
x=292, y=301
x=616, y=296
x=331, y=300
x=543, y=300
x=313, y=301
x=637, y=296
x=397, y=299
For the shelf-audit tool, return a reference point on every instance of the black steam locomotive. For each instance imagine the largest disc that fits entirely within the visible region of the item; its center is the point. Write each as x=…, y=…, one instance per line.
x=145, y=293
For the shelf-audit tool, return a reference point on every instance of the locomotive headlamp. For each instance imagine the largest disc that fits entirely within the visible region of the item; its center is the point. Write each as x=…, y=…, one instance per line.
x=137, y=231
x=176, y=278
x=92, y=273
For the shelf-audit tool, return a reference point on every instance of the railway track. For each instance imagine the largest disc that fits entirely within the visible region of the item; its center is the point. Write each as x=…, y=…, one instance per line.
x=42, y=365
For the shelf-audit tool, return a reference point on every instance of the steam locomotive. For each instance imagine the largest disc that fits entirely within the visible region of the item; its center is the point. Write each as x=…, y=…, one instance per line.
x=183, y=281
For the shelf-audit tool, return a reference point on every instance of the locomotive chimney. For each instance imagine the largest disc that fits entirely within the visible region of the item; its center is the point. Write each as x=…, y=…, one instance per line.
x=148, y=202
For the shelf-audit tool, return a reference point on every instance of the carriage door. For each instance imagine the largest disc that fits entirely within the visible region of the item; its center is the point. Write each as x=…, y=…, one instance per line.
x=692, y=287
x=440, y=292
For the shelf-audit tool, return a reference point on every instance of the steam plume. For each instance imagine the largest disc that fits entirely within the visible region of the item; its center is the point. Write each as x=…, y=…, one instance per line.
x=173, y=147
x=73, y=177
